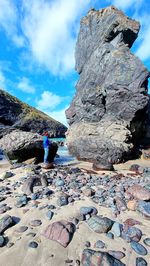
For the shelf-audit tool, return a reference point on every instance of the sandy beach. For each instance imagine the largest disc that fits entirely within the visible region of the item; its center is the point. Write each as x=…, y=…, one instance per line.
x=51, y=252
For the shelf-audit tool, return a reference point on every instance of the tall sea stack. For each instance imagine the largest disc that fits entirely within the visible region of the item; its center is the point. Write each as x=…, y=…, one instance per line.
x=107, y=114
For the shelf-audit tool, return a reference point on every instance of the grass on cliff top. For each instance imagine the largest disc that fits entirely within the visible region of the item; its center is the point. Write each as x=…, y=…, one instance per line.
x=29, y=112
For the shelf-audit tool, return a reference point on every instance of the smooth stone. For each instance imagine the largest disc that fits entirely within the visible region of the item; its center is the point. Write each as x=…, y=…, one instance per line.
x=88, y=210
x=147, y=241
x=132, y=233
x=110, y=235
x=138, y=248
x=6, y=222
x=144, y=208
x=21, y=229
x=62, y=200
x=49, y=214
x=33, y=244
x=100, y=224
x=116, y=229
x=59, y=183
x=141, y=262
x=35, y=223
x=87, y=244
x=98, y=258
x=60, y=231
x=31, y=234
x=116, y=254
x=2, y=241
x=99, y=244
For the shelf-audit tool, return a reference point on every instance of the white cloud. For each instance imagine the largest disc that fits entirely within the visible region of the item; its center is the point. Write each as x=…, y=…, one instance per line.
x=48, y=27
x=8, y=21
x=25, y=86
x=48, y=101
x=125, y=4
x=143, y=51
x=2, y=80
x=59, y=115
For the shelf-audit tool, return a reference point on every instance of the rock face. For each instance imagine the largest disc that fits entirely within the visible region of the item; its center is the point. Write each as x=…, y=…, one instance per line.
x=22, y=145
x=109, y=108
x=16, y=114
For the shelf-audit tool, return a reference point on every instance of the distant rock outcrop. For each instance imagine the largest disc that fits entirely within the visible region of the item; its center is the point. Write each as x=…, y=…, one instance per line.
x=20, y=146
x=107, y=113
x=15, y=114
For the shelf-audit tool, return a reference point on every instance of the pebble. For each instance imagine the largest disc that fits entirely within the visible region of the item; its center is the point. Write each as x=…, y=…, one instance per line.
x=116, y=254
x=35, y=223
x=49, y=214
x=33, y=244
x=116, y=229
x=62, y=200
x=2, y=241
x=88, y=210
x=87, y=244
x=138, y=248
x=59, y=182
x=21, y=229
x=110, y=235
x=99, y=244
x=99, y=224
x=141, y=262
x=147, y=241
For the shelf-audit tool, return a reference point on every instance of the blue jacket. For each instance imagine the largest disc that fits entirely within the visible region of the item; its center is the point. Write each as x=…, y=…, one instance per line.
x=46, y=142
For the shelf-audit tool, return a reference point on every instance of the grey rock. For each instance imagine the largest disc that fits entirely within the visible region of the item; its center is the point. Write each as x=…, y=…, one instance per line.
x=141, y=262
x=21, y=201
x=138, y=248
x=2, y=241
x=88, y=210
x=23, y=145
x=33, y=244
x=144, y=208
x=109, y=108
x=116, y=254
x=116, y=229
x=32, y=181
x=147, y=241
x=110, y=235
x=99, y=258
x=62, y=200
x=49, y=214
x=59, y=183
x=99, y=244
x=35, y=223
x=6, y=222
x=132, y=233
x=21, y=229
x=99, y=224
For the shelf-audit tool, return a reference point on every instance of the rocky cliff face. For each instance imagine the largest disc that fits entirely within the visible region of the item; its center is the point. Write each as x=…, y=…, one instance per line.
x=108, y=110
x=15, y=114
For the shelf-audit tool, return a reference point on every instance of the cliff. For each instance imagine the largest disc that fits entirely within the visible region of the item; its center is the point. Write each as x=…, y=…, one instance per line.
x=14, y=114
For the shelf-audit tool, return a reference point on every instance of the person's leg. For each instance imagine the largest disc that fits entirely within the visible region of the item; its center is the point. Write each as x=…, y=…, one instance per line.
x=46, y=151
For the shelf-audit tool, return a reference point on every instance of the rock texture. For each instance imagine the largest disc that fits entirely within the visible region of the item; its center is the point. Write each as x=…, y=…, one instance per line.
x=61, y=231
x=16, y=114
x=91, y=257
x=22, y=145
x=109, y=108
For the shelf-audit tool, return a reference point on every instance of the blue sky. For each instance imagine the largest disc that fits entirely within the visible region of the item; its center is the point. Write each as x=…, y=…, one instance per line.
x=37, y=41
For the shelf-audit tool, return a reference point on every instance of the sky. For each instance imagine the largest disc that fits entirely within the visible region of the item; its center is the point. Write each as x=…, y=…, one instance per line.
x=37, y=43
